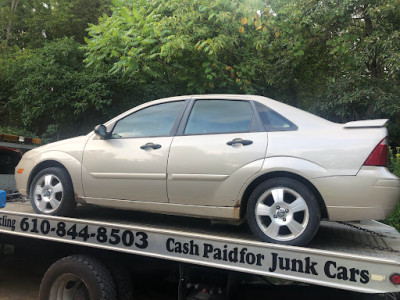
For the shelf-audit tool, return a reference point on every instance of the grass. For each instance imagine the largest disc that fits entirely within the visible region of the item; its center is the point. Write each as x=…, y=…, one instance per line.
x=394, y=165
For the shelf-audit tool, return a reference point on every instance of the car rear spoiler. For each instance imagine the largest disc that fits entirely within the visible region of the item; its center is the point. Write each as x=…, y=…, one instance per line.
x=366, y=123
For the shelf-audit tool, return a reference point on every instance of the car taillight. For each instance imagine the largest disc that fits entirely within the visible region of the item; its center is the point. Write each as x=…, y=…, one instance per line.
x=395, y=278
x=380, y=155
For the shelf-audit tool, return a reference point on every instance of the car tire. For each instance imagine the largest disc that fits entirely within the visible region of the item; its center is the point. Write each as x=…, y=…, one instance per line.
x=283, y=211
x=52, y=193
x=77, y=277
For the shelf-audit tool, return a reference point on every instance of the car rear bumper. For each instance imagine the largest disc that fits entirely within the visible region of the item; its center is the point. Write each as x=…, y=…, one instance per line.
x=371, y=194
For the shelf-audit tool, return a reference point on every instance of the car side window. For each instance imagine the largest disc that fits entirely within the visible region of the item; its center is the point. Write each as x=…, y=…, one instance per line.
x=219, y=116
x=273, y=121
x=156, y=120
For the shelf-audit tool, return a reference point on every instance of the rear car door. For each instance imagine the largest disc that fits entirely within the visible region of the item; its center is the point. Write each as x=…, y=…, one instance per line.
x=219, y=146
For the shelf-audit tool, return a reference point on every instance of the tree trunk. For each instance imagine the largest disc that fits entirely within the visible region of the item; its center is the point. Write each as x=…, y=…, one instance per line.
x=14, y=4
x=372, y=63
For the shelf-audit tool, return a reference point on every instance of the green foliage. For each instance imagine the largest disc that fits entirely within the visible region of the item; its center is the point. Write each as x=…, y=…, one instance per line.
x=186, y=46
x=394, y=165
x=51, y=86
x=31, y=23
x=17, y=131
x=339, y=59
x=43, y=82
x=339, y=56
x=394, y=218
x=394, y=161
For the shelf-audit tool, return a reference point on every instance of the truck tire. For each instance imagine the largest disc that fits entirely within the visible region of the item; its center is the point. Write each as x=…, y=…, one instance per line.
x=123, y=280
x=52, y=193
x=283, y=211
x=77, y=277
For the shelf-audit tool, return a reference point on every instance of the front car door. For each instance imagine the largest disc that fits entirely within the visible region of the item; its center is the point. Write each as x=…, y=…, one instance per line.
x=132, y=163
x=219, y=146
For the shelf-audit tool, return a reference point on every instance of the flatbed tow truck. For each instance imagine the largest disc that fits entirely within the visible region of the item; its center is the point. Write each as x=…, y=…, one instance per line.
x=362, y=257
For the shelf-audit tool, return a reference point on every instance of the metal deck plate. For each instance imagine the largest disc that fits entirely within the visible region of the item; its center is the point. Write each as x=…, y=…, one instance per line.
x=340, y=255
x=331, y=236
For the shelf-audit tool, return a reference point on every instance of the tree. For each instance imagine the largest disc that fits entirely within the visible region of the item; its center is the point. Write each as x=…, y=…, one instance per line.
x=38, y=66
x=336, y=57
x=14, y=4
x=183, y=46
x=339, y=58
x=53, y=89
x=30, y=23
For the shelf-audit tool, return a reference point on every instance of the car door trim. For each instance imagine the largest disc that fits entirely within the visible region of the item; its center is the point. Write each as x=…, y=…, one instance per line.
x=147, y=176
x=212, y=212
x=198, y=177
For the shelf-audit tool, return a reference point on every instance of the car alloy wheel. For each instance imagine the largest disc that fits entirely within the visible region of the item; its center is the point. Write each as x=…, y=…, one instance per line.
x=282, y=214
x=284, y=211
x=48, y=193
x=52, y=193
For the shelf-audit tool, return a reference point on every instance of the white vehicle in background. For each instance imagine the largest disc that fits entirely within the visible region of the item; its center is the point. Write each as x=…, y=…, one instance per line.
x=225, y=157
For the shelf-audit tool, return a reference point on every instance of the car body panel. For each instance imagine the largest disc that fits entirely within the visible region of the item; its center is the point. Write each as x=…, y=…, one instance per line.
x=216, y=166
x=366, y=123
x=299, y=166
x=198, y=176
x=67, y=153
x=322, y=142
x=371, y=194
x=119, y=169
x=323, y=147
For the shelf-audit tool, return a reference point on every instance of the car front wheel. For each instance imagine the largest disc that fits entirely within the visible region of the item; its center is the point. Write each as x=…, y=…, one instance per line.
x=283, y=211
x=51, y=192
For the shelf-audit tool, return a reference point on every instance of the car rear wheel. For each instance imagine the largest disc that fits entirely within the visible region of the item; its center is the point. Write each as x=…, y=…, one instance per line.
x=283, y=211
x=52, y=193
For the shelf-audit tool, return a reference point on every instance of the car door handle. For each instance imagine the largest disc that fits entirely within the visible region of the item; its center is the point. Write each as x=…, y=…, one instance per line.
x=239, y=141
x=150, y=145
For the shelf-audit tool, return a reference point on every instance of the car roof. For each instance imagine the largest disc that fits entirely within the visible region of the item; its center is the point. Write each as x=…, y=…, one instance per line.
x=299, y=117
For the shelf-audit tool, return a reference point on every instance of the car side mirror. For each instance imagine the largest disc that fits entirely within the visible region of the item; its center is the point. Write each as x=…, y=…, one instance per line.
x=101, y=131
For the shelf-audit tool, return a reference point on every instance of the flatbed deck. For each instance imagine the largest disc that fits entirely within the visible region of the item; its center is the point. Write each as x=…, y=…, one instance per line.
x=353, y=256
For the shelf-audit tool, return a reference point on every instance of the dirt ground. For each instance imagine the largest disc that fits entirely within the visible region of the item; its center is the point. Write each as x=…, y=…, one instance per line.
x=20, y=277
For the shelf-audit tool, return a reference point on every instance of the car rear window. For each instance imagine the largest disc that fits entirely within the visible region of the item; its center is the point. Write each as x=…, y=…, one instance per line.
x=273, y=121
